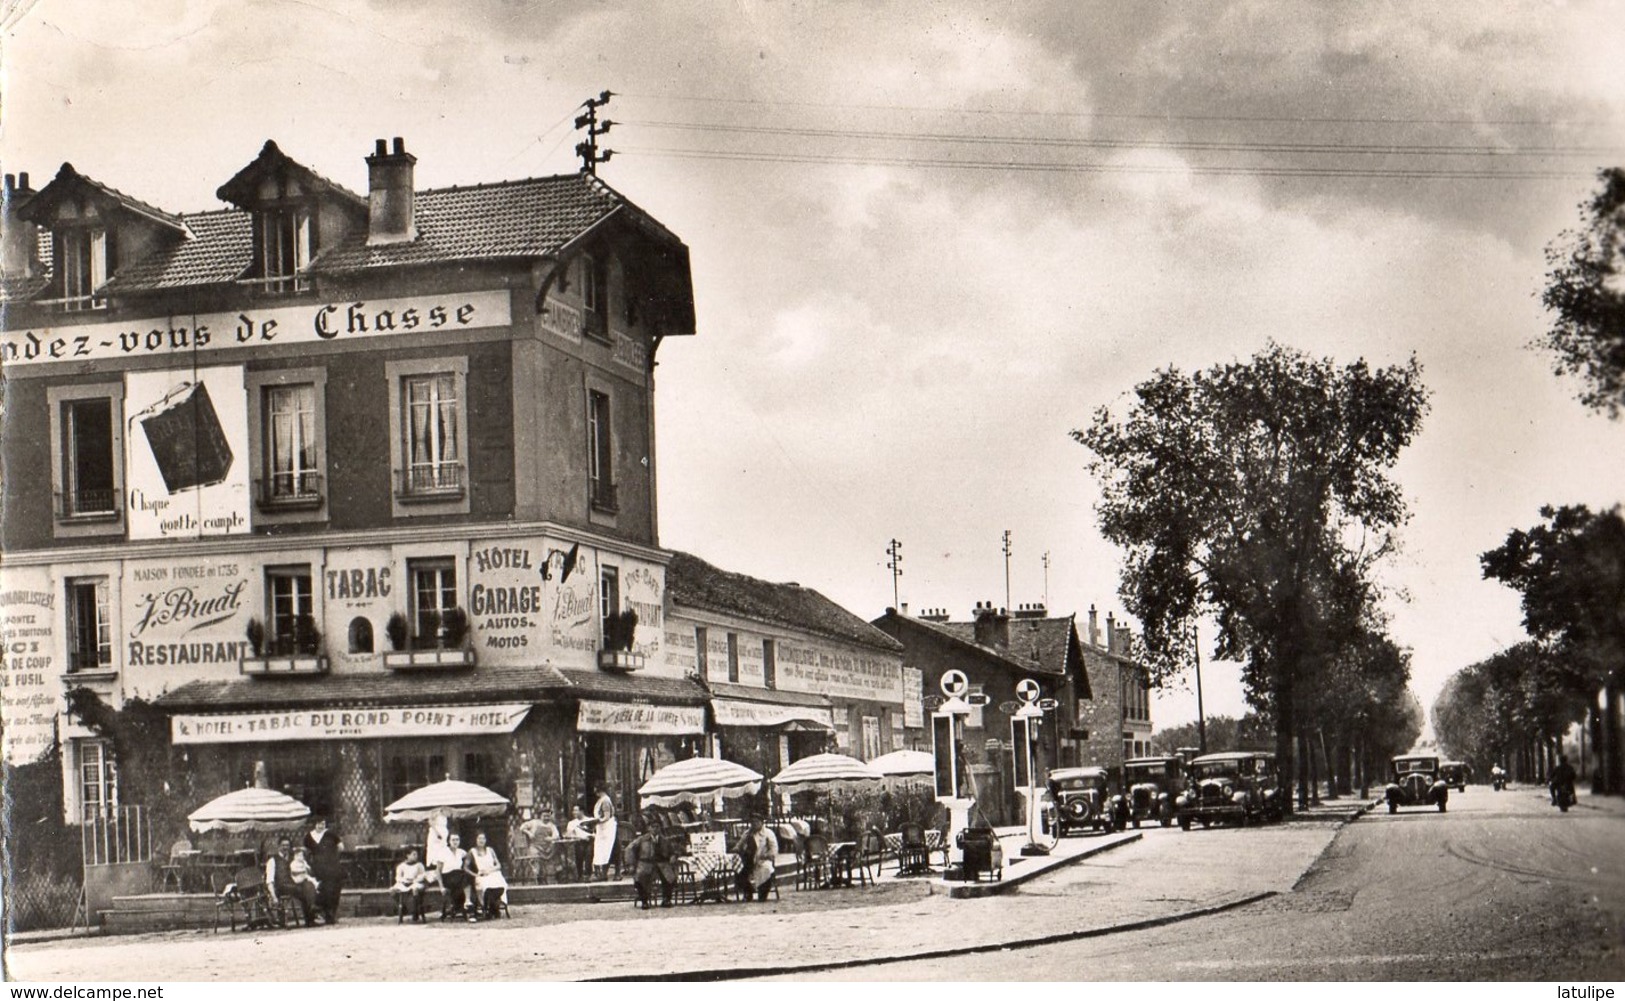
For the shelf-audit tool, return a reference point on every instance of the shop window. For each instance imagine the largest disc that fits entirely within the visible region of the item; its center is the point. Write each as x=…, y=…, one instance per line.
x=98, y=779
x=306, y=774
x=90, y=630
x=434, y=591
x=770, y=664
x=293, y=471
x=283, y=239
x=601, y=453
x=405, y=772
x=84, y=258
x=290, y=610
x=871, y=738
x=480, y=768
x=701, y=653
x=733, y=657
x=360, y=635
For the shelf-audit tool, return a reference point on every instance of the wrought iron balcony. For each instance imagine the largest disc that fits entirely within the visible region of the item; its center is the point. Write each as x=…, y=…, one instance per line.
x=289, y=491
x=430, y=481
x=88, y=504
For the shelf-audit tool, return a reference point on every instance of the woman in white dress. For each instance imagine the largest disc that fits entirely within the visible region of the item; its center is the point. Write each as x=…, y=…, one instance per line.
x=490, y=886
x=603, y=833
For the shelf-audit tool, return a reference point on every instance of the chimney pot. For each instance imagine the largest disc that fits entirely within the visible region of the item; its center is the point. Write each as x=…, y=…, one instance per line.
x=390, y=214
x=22, y=180
x=11, y=182
x=905, y=608
x=380, y=148
x=400, y=146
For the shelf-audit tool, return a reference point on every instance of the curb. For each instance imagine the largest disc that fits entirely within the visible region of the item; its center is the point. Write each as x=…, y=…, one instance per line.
x=966, y=891
x=746, y=973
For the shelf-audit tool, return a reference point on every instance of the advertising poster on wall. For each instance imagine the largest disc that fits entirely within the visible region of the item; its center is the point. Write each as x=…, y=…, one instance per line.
x=185, y=620
x=838, y=673
x=186, y=439
x=913, y=697
x=643, y=590
x=358, y=594
x=505, y=599
x=30, y=685
x=571, y=607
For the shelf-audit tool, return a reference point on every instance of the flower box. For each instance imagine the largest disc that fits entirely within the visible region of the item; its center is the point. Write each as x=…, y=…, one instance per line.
x=620, y=660
x=415, y=660
x=292, y=664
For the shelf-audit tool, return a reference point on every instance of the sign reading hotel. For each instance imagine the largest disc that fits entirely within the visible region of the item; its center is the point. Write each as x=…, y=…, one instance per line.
x=346, y=724
x=505, y=600
x=29, y=672
x=186, y=336
x=186, y=441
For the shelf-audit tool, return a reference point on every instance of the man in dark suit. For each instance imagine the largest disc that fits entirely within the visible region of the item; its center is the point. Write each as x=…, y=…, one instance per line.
x=323, y=847
x=279, y=882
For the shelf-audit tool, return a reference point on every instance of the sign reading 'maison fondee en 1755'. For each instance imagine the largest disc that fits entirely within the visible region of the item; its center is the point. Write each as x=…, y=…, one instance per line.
x=313, y=323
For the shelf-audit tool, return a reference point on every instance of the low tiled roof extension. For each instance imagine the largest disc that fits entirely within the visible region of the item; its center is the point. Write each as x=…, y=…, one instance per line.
x=480, y=684
x=694, y=583
x=219, y=250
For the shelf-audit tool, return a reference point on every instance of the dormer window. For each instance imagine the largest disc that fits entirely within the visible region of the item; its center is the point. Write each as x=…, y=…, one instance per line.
x=595, y=296
x=283, y=242
x=84, y=266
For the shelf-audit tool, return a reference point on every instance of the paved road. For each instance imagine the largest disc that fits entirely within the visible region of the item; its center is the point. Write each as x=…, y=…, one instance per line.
x=1502, y=886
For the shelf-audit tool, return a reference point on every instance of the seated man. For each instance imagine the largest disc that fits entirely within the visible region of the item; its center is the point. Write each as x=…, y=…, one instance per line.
x=407, y=891
x=759, y=852
x=280, y=884
x=648, y=859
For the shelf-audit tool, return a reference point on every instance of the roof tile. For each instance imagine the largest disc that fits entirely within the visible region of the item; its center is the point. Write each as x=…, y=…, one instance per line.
x=697, y=584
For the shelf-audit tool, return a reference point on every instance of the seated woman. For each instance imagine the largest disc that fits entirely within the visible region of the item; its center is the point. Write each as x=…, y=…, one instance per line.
x=490, y=887
x=456, y=879
x=407, y=891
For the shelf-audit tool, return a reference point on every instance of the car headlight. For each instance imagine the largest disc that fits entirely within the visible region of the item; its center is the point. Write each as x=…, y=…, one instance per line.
x=1239, y=797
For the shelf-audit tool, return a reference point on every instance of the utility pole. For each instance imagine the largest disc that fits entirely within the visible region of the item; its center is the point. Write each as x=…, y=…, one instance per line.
x=895, y=564
x=1007, y=570
x=588, y=148
x=1201, y=719
x=1046, y=579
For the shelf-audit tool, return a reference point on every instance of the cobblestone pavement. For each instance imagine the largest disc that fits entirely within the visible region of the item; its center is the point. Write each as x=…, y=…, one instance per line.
x=1162, y=875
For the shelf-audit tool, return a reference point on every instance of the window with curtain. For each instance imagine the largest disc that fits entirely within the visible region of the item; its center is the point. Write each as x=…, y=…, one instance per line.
x=432, y=414
x=289, y=597
x=293, y=471
x=284, y=244
x=84, y=266
x=434, y=590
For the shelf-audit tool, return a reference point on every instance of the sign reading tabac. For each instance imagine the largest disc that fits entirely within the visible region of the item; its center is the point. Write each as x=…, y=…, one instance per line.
x=345, y=724
x=314, y=323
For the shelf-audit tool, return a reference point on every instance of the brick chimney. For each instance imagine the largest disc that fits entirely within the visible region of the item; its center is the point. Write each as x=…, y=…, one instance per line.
x=934, y=615
x=1094, y=627
x=1111, y=633
x=1032, y=610
x=991, y=626
x=389, y=195
x=19, y=239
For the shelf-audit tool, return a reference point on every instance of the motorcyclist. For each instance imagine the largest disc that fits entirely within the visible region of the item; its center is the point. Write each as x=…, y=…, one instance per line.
x=1498, y=776
x=1562, y=777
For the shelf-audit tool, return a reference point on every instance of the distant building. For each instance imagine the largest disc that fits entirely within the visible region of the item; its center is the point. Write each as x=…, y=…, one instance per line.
x=996, y=650
x=1116, y=724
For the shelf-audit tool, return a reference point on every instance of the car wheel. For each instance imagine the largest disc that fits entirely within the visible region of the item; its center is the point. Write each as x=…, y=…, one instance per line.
x=1136, y=823
x=1204, y=822
x=1241, y=821
x=1441, y=806
x=1184, y=823
x=1393, y=807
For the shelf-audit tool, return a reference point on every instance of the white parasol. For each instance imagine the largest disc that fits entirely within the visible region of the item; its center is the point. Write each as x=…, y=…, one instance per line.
x=901, y=763
x=697, y=781
x=825, y=771
x=451, y=797
x=249, y=809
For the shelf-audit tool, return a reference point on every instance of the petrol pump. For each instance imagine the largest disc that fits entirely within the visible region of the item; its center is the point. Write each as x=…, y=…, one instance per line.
x=947, y=749
x=1024, y=736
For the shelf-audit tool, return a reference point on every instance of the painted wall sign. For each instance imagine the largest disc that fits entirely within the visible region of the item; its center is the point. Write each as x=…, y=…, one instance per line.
x=913, y=694
x=186, y=336
x=561, y=320
x=572, y=611
x=186, y=444
x=838, y=673
x=643, y=590
x=358, y=590
x=506, y=600
x=185, y=620
x=657, y=721
x=31, y=669
x=345, y=724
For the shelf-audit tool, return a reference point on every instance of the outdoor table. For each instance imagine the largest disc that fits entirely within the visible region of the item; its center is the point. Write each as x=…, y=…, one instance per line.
x=839, y=860
x=185, y=867
x=711, y=874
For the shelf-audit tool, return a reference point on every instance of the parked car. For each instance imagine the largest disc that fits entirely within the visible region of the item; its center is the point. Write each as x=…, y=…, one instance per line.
x=1239, y=786
x=1454, y=774
x=1083, y=800
x=1416, y=782
x=1150, y=785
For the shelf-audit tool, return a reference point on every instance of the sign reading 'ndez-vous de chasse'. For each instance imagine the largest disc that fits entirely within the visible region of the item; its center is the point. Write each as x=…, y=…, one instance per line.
x=313, y=323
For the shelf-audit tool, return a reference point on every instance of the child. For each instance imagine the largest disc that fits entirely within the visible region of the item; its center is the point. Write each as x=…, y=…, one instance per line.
x=299, y=869
x=409, y=884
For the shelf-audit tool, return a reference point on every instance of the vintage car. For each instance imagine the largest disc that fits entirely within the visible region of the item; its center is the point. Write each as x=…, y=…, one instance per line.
x=1239, y=786
x=1454, y=774
x=1150, y=786
x=1083, y=800
x=1417, y=782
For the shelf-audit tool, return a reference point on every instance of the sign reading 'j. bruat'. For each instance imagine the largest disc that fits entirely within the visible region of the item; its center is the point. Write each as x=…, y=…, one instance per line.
x=312, y=323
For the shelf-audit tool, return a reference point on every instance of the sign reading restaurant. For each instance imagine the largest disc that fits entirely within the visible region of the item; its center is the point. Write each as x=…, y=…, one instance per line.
x=314, y=323
x=345, y=724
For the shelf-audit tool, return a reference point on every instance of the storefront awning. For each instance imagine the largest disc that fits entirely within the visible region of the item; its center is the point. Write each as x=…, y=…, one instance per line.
x=345, y=724
x=639, y=718
x=736, y=712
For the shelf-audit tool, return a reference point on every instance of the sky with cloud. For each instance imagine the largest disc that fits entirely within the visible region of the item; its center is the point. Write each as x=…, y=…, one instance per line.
x=928, y=240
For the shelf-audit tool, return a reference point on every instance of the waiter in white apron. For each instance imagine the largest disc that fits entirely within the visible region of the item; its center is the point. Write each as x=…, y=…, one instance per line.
x=603, y=835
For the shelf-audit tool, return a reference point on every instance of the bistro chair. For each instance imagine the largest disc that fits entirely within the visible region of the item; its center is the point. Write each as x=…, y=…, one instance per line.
x=871, y=853
x=913, y=855
x=814, y=872
x=178, y=868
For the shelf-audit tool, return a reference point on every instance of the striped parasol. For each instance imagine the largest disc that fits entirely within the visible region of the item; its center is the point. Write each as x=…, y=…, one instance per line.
x=451, y=797
x=825, y=771
x=697, y=781
x=900, y=763
x=249, y=809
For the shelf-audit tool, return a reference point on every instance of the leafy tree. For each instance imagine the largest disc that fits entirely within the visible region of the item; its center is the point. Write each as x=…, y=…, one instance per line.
x=1510, y=708
x=1584, y=288
x=1239, y=492
x=1251, y=732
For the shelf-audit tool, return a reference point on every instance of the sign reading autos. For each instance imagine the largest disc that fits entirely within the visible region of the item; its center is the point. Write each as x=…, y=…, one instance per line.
x=187, y=443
